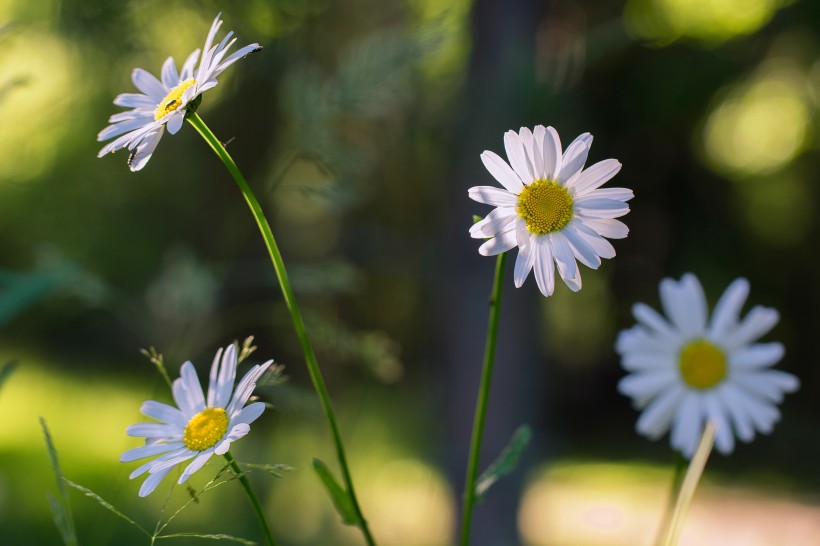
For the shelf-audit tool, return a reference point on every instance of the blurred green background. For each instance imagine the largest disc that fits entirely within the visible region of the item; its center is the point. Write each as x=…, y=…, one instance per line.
x=360, y=127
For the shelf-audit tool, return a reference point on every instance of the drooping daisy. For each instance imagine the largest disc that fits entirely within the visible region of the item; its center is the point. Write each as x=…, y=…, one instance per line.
x=551, y=208
x=162, y=103
x=198, y=428
x=687, y=369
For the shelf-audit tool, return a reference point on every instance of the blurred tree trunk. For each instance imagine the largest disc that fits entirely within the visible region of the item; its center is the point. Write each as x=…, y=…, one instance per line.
x=501, y=82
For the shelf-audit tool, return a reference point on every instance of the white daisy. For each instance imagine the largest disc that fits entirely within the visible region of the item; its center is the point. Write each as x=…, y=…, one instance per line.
x=198, y=428
x=687, y=369
x=163, y=103
x=550, y=207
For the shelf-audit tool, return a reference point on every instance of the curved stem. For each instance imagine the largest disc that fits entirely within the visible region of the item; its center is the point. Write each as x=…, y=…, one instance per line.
x=257, y=506
x=290, y=301
x=677, y=480
x=481, y=404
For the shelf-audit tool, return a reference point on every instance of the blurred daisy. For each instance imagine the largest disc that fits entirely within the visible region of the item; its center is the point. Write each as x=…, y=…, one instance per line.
x=687, y=369
x=550, y=207
x=162, y=103
x=197, y=428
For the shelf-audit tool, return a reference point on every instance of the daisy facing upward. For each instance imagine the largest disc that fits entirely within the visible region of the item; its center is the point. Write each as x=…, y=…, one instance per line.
x=161, y=103
x=550, y=207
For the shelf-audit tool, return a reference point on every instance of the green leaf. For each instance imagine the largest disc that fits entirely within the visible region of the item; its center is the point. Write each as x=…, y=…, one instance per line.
x=477, y=218
x=340, y=497
x=6, y=370
x=60, y=505
x=506, y=461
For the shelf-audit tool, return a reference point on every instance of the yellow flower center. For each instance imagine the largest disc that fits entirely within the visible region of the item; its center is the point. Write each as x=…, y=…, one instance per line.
x=205, y=429
x=545, y=206
x=172, y=100
x=702, y=365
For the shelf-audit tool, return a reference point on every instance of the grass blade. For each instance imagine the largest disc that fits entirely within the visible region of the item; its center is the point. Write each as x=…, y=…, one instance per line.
x=341, y=499
x=506, y=462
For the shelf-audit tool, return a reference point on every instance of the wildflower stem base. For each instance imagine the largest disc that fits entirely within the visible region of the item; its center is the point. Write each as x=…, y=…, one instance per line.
x=290, y=301
x=481, y=404
x=257, y=506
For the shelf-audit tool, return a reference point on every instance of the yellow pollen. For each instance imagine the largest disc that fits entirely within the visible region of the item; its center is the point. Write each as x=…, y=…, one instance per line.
x=172, y=100
x=205, y=429
x=702, y=365
x=545, y=206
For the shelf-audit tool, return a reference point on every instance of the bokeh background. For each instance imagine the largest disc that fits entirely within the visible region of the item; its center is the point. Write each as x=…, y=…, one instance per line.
x=360, y=126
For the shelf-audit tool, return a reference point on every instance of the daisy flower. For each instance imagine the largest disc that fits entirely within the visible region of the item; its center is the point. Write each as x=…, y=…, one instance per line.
x=550, y=207
x=162, y=103
x=197, y=428
x=687, y=369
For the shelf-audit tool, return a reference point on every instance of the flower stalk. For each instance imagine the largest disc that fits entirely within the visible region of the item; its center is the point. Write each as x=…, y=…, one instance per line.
x=481, y=403
x=290, y=302
x=257, y=506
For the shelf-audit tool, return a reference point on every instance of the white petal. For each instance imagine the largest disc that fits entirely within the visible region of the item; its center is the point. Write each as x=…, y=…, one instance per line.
x=607, y=227
x=122, y=127
x=502, y=172
x=688, y=424
x=523, y=265
x=236, y=433
x=135, y=100
x=575, y=157
x=757, y=323
x=652, y=320
x=148, y=84
x=593, y=177
x=154, y=430
x=170, y=77
x=477, y=229
x=601, y=246
x=242, y=52
x=656, y=418
x=249, y=414
x=491, y=195
x=594, y=207
x=724, y=439
x=164, y=412
x=498, y=221
x=213, y=378
x=227, y=377
x=759, y=355
x=152, y=481
x=144, y=150
x=498, y=244
x=245, y=388
x=544, y=269
x=174, y=121
x=735, y=405
x=565, y=260
x=647, y=385
x=518, y=158
x=645, y=361
x=532, y=145
x=198, y=462
x=685, y=304
x=727, y=310
x=188, y=66
x=618, y=194
x=552, y=153
x=142, y=452
x=582, y=250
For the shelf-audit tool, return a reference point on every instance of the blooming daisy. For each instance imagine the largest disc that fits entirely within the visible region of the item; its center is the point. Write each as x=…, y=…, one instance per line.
x=163, y=103
x=688, y=369
x=550, y=207
x=197, y=428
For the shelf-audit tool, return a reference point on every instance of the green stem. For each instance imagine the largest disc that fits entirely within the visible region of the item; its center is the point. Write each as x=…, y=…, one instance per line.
x=674, y=491
x=257, y=506
x=481, y=404
x=290, y=301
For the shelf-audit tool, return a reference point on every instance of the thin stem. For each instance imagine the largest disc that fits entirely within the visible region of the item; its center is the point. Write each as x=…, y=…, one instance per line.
x=674, y=491
x=257, y=506
x=290, y=301
x=481, y=404
x=689, y=484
